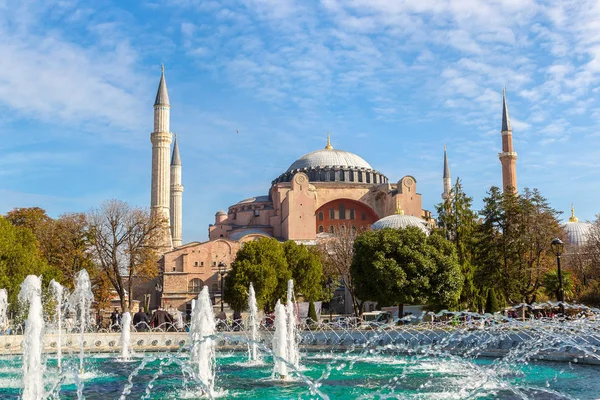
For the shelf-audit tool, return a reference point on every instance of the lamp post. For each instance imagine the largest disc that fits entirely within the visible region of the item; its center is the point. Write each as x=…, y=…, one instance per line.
x=221, y=272
x=557, y=247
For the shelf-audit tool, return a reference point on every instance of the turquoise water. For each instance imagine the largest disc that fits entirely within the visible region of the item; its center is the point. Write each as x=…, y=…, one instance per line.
x=339, y=376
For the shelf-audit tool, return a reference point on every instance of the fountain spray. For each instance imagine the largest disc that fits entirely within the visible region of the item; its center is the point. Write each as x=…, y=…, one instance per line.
x=33, y=370
x=253, y=324
x=290, y=307
x=3, y=310
x=126, y=336
x=202, y=329
x=81, y=300
x=57, y=290
x=280, y=342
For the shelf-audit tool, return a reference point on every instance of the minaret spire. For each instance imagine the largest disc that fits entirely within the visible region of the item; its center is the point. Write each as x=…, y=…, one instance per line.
x=508, y=157
x=573, y=217
x=446, y=178
x=329, y=146
x=161, y=146
x=176, y=195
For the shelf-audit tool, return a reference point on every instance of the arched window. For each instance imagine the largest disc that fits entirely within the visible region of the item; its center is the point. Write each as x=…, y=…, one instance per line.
x=352, y=213
x=331, y=229
x=353, y=229
x=321, y=216
x=351, y=176
x=332, y=175
x=342, y=212
x=360, y=176
x=368, y=177
x=321, y=229
x=331, y=213
x=195, y=285
x=342, y=177
x=323, y=176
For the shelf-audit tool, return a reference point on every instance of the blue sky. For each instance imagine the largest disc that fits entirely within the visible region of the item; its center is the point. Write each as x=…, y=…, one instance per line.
x=391, y=80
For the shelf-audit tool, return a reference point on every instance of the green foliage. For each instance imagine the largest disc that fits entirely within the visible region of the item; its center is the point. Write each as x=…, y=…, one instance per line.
x=307, y=271
x=458, y=223
x=491, y=303
x=263, y=263
x=19, y=257
x=551, y=284
x=404, y=266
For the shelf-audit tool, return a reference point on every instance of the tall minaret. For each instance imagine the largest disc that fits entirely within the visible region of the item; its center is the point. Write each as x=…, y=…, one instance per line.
x=508, y=157
x=447, y=179
x=176, y=195
x=161, y=146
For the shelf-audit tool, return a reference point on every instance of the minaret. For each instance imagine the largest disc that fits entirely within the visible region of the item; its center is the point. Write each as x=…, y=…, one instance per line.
x=447, y=179
x=573, y=217
x=161, y=146
x=508, y=157
x=176, y=195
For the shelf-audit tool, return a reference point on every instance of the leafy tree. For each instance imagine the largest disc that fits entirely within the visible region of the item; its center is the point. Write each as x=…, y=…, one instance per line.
x=551, y=284
x=19, y=257
x=307, y=271
x=124, y=244
x=312, y=312
x=263, y=263
x=513, y=243
x=404, y=266
x=458, y=223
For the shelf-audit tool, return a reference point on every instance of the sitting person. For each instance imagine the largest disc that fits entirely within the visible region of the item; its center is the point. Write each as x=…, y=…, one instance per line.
x=141, y=321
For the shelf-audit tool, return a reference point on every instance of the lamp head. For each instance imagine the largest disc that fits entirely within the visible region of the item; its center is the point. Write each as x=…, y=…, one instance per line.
x=557, y=246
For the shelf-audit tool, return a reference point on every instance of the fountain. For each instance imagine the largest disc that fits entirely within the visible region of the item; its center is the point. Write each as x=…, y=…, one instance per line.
x=253, y=326
x=3, y=311
x=57, y=290
x=202, y=329
x=33, y=369
x=292, y=318
x=79, y=303
x=125, y=339
x=280, y=342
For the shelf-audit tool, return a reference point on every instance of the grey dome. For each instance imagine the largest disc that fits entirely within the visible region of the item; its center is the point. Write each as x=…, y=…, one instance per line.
x=578, y=232
x=398, y=221
x=329, y=158
x=221, y=212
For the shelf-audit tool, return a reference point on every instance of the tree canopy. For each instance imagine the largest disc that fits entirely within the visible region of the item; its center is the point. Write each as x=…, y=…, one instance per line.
x=404, y=266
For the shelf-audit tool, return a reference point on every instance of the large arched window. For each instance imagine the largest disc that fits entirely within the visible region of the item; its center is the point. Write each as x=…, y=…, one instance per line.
x=342, y=212
x=195, y=285
x=321, y=216
x=321, y=229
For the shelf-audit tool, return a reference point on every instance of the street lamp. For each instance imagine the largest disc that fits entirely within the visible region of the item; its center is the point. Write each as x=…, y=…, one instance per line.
x=557, y=248
x=221, y=272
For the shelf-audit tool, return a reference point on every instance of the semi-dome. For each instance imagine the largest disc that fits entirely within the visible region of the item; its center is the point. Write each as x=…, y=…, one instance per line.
x=577, y=232
x=400, y=221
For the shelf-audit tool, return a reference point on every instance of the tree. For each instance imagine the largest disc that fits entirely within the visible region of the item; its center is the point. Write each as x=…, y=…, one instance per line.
x=491, y=303
x=263, y=263
x=337, y=255
x=551, y=284
x=458, y=223
x=307, y=271
x=404, y=266
x=513, y=243
x=124, y=244
x=19, y=257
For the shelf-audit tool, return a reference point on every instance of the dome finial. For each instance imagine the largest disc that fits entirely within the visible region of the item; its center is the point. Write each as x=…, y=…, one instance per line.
x=399, y=210
x=329, y=146
x=573, y=217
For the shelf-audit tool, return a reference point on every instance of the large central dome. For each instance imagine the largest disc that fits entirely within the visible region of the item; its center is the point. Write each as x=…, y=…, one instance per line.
x=329, y=158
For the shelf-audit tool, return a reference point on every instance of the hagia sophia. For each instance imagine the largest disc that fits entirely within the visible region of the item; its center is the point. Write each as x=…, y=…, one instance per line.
x=322, y=191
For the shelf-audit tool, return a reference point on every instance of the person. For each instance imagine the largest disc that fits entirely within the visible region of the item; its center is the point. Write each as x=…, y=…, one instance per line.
x=161, y=319
x=115, y=320
x=238, y=324
x=141, y=321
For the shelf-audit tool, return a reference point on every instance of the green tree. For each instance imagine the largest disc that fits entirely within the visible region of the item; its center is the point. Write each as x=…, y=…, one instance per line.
x=312, y=312
x=404, y=266
x=20, y=256
x=307, y=271
x=551, y=284
x=491, y=303
x=458, y=223
x=263, y=263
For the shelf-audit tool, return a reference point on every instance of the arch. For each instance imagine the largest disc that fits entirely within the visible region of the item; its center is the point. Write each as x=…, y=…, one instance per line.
x=348, y=209
x=195, y=285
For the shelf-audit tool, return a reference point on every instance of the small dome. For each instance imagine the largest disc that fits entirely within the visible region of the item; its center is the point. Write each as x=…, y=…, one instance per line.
x=398, y=221
x=329, y=158
x=578, y=232
x=221, y=212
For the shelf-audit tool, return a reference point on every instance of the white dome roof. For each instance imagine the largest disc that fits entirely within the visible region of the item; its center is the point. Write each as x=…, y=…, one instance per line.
x=398, y=221
x=578, y=232
x=329, y=158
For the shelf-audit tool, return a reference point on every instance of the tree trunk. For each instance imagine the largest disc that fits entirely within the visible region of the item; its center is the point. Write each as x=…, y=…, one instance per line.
x=400, y=310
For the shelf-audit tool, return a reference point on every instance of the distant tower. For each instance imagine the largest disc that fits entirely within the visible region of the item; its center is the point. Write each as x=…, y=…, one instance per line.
x=176, y=195
x=447, y=179
x=508, y=157
x=161, y=146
